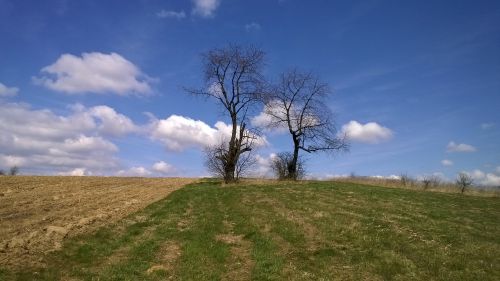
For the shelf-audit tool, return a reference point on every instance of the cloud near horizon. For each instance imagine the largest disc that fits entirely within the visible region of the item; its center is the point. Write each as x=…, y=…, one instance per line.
x=43, y=141
x=94, y=73
x=486, y=179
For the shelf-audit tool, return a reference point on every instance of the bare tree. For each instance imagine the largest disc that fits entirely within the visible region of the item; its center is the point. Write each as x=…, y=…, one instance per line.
x=2, y=172
x=431, y=181
x=233, y=78
x=298, y=103
x=406, y=180
x=14, y=170
x=463, y=181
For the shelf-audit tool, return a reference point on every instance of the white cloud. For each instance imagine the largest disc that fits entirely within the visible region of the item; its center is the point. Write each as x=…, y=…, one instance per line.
x=163, y=168
x=482, y=178
x=253, y=26
x=462, y=147
x=179, y=132
x=205, y=8
x=171, y=14
x=8, y=91
x=390, y=177
x=111, y=122
x=272, y=116
x=446, y=162
x=43, y=142
x=265, y=120
x=134, y=172
x=79, y=172
x=486, y=126
x=11, y=161
x=368, y=133
x=94, y=73
x=263, y=166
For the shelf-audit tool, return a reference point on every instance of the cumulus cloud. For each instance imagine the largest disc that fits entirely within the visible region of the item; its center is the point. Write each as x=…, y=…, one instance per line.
x=171, y=14
x=446, y=162
x=41, y=141
x=459, y=147
x=367, y=133
x=112, y=123
x=253, y=26
x=205, y=8
x=163, y=168
x=94, y=73
x=8, y=91
x=179, y=132
x=486, y=179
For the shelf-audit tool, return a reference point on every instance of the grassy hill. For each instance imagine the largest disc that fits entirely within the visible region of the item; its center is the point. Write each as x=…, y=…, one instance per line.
x=288, y=231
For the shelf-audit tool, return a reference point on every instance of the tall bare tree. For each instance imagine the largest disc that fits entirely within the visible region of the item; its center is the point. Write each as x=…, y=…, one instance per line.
x=298, y=103
x=234, y=79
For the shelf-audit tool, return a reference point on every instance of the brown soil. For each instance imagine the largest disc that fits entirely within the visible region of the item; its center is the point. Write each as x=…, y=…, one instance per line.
x=38, y=213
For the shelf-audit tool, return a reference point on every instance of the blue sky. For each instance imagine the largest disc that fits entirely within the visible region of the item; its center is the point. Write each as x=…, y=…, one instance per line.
x=416, y=84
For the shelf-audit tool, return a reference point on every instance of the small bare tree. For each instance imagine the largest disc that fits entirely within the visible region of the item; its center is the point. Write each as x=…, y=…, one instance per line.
x=215, y=161
x=431, y=181
x=406, y=180
x=14, y=170
x=463, y=181
x=298, y=103
x=233, y=78
x=2, y=172
x=280, y=164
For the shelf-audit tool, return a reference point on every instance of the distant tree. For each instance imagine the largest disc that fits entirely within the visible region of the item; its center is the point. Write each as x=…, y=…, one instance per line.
x=431, y=181
x=2, y=172
x=463, y=181
x=14, y=171
x=405, y=179
x=280, y=164
x=298, y=103
x=233, y=77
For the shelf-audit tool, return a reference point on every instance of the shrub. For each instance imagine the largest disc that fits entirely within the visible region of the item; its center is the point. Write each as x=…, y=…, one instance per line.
x=281, y=166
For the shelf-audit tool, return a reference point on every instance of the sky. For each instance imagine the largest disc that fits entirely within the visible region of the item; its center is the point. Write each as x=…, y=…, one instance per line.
x=97, y=87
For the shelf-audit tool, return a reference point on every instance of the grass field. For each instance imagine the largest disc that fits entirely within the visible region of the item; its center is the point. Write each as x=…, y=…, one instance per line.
x=285, y=231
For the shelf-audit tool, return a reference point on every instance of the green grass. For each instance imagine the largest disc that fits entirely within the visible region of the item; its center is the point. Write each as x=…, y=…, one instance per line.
x=312, y=231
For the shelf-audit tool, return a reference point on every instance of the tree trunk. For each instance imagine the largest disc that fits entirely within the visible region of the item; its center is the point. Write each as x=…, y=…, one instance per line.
x=233, y=153
x=292, y=166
